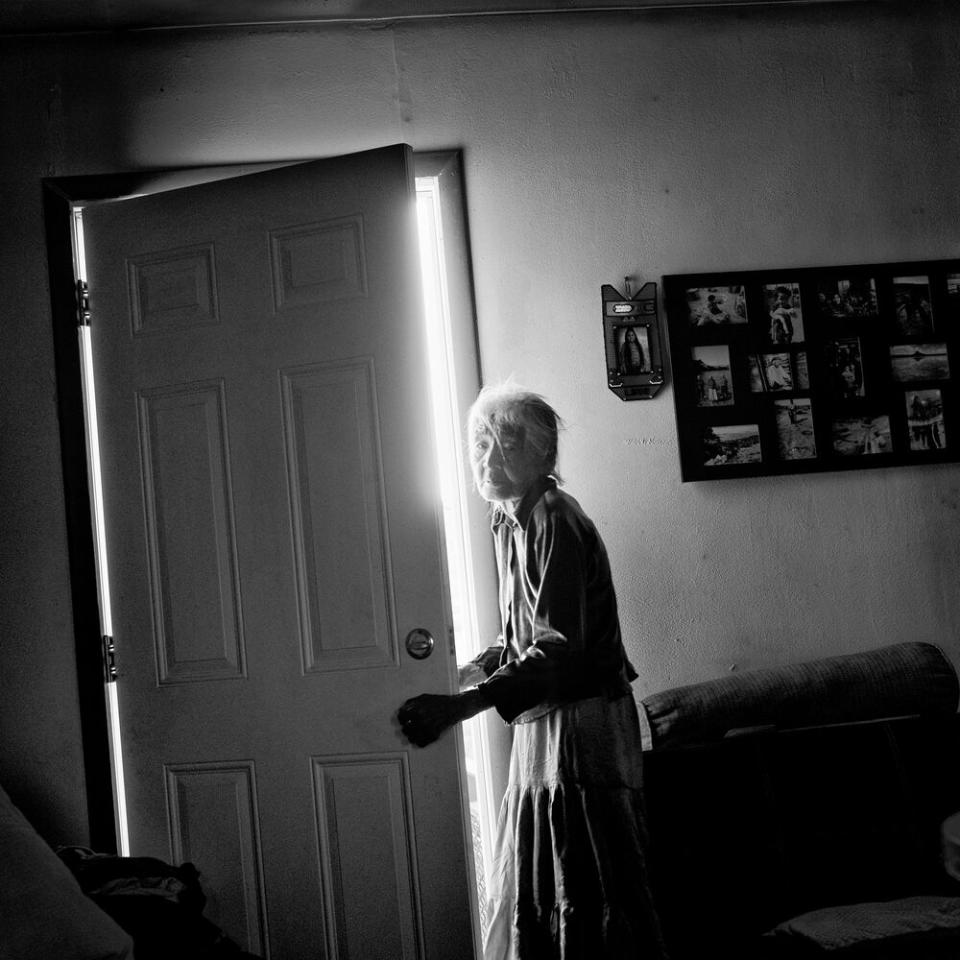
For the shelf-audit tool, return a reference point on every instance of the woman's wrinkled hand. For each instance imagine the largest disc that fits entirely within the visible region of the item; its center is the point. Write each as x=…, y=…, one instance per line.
x=422, y=719
x=469, y=675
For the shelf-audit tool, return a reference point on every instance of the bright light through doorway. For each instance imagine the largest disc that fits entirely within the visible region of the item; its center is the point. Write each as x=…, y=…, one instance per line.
x=448, y=418
x=100, y=541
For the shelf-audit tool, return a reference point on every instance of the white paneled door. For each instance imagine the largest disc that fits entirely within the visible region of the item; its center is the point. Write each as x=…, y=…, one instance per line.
x=272, y=527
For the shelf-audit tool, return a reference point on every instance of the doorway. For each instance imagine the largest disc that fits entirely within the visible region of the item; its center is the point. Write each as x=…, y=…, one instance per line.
x=440, y=198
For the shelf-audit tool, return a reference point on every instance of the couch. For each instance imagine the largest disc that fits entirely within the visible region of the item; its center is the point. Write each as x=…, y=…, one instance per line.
x=797, y=811
x=76, y=904
x=43, y=911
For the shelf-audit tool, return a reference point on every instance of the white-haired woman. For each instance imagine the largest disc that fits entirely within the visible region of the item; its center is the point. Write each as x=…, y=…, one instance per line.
x=570, y=878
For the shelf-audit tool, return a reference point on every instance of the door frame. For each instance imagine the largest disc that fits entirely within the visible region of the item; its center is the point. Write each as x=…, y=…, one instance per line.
x=61, y=195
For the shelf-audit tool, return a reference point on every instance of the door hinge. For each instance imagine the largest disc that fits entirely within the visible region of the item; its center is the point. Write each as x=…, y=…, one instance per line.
x=83, y=304
x=109, y=660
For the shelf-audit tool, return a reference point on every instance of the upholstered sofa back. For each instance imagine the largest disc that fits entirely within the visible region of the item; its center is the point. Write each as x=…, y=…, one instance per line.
x=901, y=679
x=750, y=830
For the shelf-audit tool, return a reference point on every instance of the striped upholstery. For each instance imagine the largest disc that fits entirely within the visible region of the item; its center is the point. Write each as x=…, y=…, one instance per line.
x=900, y=680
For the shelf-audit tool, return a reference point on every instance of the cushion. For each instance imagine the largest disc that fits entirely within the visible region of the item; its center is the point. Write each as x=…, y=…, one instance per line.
x=896, y=927
x=899, y=680
x=950, y=845
x=44, y=912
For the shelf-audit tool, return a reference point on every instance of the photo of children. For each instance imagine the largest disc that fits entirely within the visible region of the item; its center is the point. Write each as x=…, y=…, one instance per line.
x=712, y=305
x=861, y=436
x=913, y=312
x=786, y=315
x=847, y=299
x=794, y=420
x=731, y=445
x=773, y=372
x=714, y=383
x=925, y=420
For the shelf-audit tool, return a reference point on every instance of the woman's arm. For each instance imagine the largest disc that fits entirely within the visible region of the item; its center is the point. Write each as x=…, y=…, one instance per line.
x=550, y=616
x=424, y=718
x=481, y=666
x=470, y=674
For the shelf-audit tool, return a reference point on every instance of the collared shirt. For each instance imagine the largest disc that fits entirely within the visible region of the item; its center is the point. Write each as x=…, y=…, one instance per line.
x=560, y=639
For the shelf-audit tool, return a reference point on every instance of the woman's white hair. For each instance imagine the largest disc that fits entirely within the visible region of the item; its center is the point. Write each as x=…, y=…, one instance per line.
x=506, y=409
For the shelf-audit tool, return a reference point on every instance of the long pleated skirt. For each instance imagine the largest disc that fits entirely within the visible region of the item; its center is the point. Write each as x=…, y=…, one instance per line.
x=569, y=879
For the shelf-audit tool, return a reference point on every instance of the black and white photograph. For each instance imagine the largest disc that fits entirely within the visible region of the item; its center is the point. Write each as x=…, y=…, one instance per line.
x=714, y=382
x=451, y=453
x=925, y=420
x=785, y=312
x=727, y=445
x=844, y=363
x=911, y=362
x=795, y=433
x=861, y=436
x=633, y=349
x=827, y=383
x=770, y=372
x=913, y=312
x=953, y=295
x=716, y=305
x=853, y=299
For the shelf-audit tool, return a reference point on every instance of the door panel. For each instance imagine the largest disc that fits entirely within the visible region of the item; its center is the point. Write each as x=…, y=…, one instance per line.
x=192, y=567
x=272, y=523
x=338, y=505
x=367, y=855
x=214, y=822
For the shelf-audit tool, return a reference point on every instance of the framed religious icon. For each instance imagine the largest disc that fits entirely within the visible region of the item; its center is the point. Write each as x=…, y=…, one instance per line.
x=631, y=337
x=797, y=370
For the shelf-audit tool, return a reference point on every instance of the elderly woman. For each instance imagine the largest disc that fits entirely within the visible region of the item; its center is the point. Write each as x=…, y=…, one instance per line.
x=569, y=868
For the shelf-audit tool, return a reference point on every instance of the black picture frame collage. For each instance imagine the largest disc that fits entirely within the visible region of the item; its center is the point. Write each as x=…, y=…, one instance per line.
x=814, y=369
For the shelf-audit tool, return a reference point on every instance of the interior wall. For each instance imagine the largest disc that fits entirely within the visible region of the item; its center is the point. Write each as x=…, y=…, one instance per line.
x=596, y=146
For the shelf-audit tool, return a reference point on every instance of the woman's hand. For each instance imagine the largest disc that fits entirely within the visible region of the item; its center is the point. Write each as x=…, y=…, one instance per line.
x=424, y=718
x=469, y=675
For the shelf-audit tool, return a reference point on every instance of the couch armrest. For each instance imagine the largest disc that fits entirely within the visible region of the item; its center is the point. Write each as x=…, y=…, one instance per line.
x=44, y=911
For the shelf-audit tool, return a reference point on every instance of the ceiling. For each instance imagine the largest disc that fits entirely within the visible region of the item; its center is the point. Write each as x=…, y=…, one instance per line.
x=19, y=17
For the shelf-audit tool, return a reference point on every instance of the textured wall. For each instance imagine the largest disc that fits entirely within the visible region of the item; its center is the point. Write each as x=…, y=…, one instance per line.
x=595, y=146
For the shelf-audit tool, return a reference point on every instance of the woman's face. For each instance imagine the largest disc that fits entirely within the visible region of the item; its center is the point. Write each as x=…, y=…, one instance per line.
x=503, y=467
